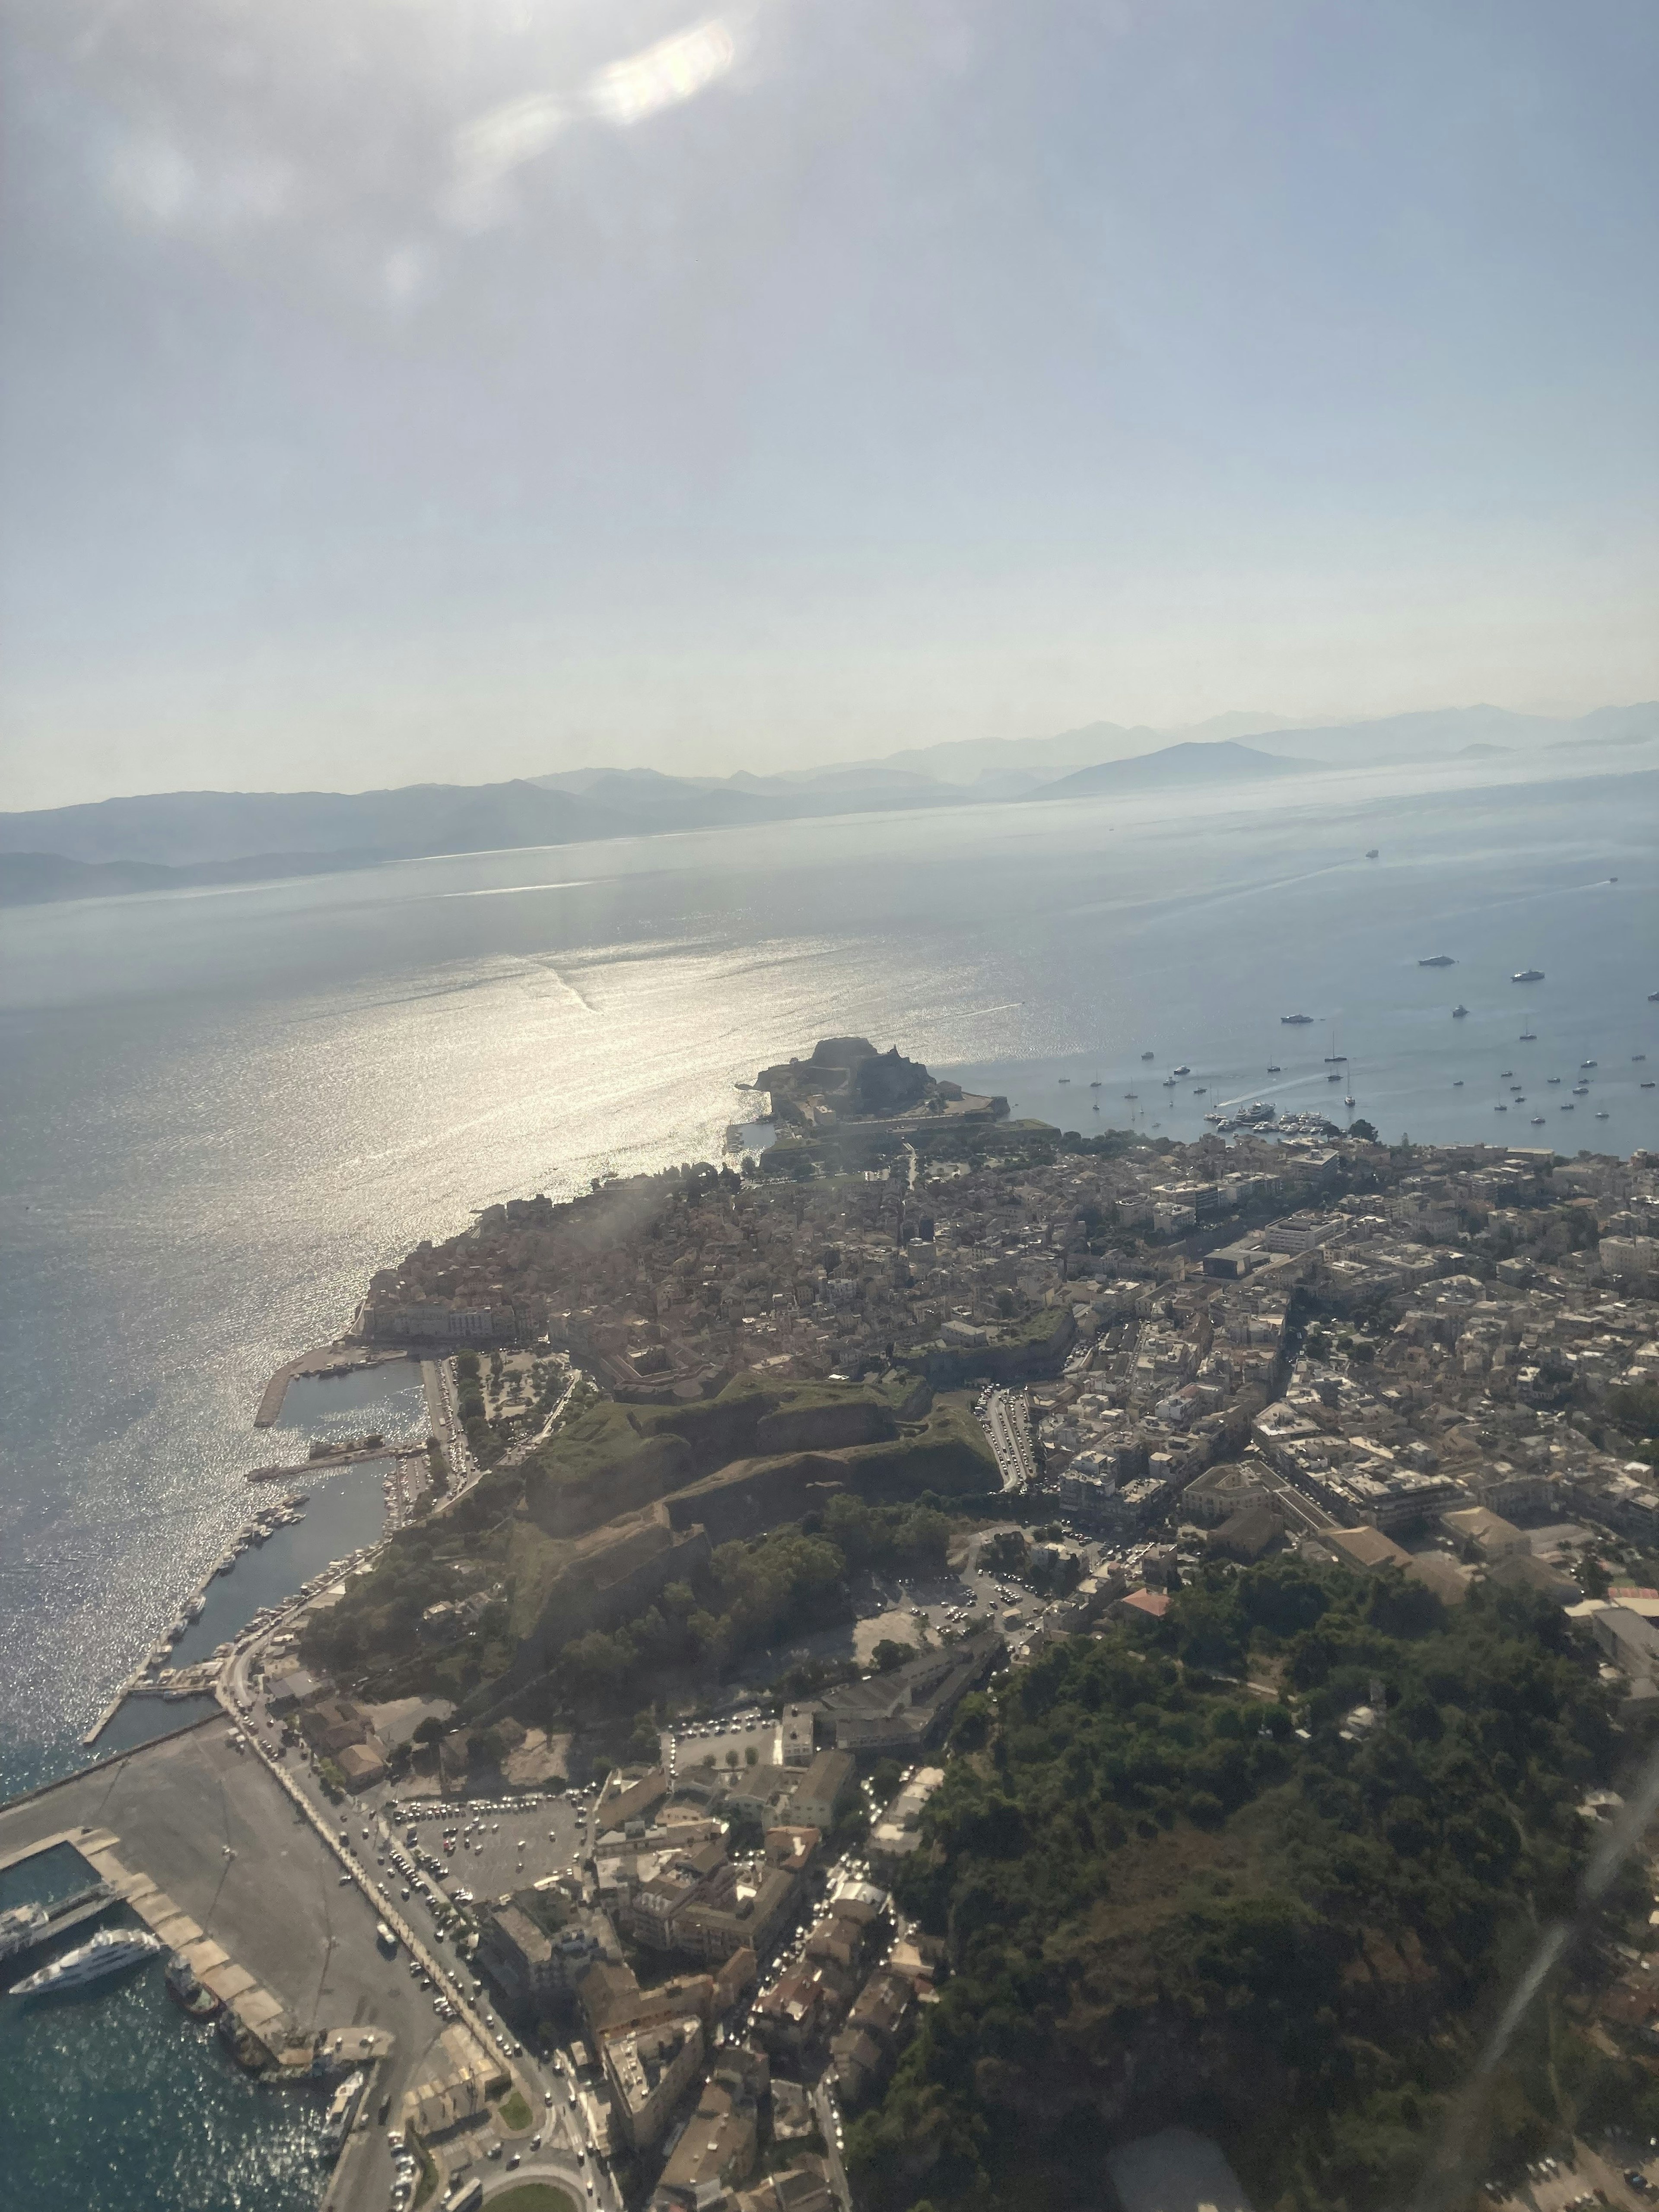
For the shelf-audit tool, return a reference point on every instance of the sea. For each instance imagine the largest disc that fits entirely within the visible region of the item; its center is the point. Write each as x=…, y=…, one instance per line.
x=225, y=1109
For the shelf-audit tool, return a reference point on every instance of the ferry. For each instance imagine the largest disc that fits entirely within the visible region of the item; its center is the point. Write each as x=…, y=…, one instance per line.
x=342, y=2111
x=111, y=1951
x=20, y=1926
x=1528, y=975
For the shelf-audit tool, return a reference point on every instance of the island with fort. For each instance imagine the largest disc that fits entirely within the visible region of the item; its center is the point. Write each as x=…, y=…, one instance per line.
x=942, y=1661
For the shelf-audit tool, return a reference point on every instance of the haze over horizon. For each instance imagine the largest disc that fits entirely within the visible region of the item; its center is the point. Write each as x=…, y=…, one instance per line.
x=457, y=393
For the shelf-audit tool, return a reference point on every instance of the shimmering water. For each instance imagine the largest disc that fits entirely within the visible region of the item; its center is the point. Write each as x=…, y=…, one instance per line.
x=112, y=2101
x=225, y=1110
x=343, y=1511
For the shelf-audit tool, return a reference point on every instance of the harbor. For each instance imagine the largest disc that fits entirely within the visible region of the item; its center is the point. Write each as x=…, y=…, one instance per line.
x=324, y=1363
x=197, y=1843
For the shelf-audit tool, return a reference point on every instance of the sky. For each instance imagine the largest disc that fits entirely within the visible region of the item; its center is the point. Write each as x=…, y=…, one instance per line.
x=407, y=390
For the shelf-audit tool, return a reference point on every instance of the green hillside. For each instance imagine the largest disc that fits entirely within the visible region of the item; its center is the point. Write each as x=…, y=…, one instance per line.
x=1162, y=1902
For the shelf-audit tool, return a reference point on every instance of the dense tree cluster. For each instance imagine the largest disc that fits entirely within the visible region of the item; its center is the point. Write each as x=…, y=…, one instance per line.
x=1281, y=1919
x=795, y=1577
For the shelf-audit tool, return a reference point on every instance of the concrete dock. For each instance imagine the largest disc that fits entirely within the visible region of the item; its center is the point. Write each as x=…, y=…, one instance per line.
x=210, y=1852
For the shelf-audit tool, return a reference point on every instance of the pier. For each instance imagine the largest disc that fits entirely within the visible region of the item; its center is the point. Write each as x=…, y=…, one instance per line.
x=325, y=1462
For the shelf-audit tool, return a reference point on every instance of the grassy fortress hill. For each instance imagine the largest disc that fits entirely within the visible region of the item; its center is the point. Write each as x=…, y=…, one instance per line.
x=679, y=1363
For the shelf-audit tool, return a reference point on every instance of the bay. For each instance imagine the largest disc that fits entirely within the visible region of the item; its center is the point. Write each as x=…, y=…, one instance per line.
x=225, y=1110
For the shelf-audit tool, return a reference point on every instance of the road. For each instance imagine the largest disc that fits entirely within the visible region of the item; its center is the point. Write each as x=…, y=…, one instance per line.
x=829, y=2120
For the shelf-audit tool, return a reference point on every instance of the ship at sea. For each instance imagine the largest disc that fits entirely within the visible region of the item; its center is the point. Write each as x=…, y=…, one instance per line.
x=1296, y=1021
x=1528, y=975
x=110, y=1952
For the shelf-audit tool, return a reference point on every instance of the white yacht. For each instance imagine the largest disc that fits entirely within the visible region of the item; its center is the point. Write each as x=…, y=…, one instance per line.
x=110, y=1951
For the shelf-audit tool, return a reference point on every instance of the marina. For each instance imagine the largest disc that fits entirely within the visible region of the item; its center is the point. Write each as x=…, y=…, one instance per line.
x=300, y=1542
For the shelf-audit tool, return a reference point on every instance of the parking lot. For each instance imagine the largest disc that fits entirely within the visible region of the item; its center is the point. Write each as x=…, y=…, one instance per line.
x=1620, y=2175
x=498, y=1844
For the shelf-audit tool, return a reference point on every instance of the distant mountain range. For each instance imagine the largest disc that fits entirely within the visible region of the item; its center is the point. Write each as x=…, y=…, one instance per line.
x=177, y=838
x=1220, y=762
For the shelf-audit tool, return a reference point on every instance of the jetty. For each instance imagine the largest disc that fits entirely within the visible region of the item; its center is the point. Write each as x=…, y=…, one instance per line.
x=388, y=1448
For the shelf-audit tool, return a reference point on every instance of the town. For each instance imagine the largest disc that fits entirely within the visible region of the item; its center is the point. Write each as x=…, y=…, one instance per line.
x=1018, y=1388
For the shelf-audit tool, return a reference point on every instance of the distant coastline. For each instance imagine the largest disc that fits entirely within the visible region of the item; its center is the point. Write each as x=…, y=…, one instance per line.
x=182, y=841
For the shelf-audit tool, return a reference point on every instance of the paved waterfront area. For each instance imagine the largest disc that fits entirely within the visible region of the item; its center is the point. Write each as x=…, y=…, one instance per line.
x=211, y=1827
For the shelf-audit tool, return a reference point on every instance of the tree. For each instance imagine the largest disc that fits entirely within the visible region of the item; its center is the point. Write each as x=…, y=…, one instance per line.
x=645, y=1743
x=430, y=1729
x=751, y=1756
x=1364, y=1130
x=890, y=1654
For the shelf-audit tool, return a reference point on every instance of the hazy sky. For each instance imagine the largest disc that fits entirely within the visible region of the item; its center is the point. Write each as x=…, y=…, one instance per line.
x=401, y=389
